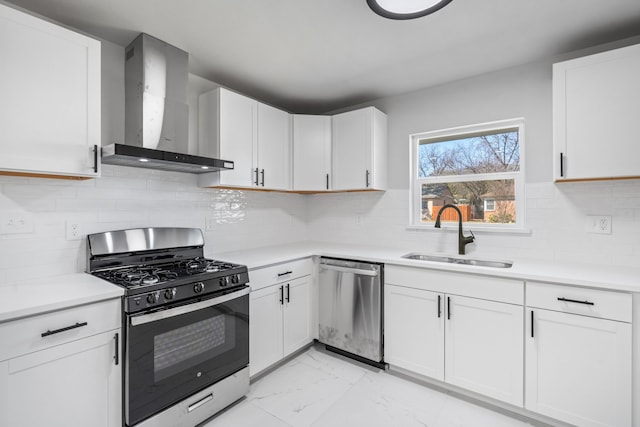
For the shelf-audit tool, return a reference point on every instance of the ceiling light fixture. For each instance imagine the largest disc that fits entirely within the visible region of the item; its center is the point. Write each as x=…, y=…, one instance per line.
x=406, y=9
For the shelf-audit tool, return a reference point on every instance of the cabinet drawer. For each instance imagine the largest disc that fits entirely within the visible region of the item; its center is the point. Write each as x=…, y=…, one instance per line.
x=266, y=276
x=25, y=335
x=587, y=302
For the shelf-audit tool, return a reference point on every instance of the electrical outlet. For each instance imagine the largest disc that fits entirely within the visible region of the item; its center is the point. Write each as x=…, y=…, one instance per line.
x=598, y=224
x=74, y=230
x=16, y=223
x=359, y=219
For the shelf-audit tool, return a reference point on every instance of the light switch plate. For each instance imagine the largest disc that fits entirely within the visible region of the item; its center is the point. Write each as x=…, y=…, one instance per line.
x=16, y=223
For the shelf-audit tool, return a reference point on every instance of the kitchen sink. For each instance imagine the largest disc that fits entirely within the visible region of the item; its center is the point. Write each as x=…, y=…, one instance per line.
x=452, y=260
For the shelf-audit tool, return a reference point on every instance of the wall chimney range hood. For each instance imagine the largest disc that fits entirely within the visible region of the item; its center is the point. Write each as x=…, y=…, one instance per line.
x=156, y=112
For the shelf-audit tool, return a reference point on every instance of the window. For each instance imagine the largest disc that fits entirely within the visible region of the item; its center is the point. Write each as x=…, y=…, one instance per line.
x=478, y=168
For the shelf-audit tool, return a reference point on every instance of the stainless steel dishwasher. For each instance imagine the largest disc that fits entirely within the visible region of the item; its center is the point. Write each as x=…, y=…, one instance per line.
x=351, y=309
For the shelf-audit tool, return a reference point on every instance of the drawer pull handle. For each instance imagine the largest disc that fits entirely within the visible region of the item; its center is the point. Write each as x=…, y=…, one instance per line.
x=199, y=403
x=116, y=357
x=95, y=158
x=439, y=309
x=532, y=335
x=288, y=293
x=575, y=301
x=285, y=273
x=68, y=328
x=448, y=308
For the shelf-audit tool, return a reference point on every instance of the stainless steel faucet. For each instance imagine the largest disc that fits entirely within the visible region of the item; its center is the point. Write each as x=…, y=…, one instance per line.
x=462, y=239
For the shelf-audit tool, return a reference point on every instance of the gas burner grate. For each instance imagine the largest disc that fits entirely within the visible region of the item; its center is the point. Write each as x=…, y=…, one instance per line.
x=138, y=276
x=204, y=265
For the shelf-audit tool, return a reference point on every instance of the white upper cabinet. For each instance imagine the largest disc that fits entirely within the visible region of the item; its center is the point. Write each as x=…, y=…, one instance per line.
x=274, y=148
x=255, y=136
x=50, y=102
x=311, y=152
x=227, y=130
x=595, y=111
x=359, y=150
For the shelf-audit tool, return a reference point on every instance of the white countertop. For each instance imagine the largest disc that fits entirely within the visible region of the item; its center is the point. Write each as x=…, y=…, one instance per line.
x=601, y=277
x=27, y=298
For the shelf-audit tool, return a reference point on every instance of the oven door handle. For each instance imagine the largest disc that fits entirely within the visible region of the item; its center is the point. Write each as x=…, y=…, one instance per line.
x=187, y=308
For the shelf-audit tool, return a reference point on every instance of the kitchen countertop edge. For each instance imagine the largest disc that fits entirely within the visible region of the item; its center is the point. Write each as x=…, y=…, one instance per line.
x=623, y=279
x=38, y=296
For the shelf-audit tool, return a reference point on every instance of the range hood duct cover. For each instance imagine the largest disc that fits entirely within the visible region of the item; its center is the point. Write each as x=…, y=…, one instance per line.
x=156, y=111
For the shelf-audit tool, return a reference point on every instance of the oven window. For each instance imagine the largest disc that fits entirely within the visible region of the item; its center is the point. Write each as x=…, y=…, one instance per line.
x=191, y=345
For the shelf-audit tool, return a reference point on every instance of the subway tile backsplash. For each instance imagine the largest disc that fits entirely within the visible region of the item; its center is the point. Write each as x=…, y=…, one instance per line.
x=234, y=220
x=127, y=198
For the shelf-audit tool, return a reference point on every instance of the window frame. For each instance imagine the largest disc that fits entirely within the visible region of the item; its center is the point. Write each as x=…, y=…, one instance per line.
x=493, y=205
x=461, y=132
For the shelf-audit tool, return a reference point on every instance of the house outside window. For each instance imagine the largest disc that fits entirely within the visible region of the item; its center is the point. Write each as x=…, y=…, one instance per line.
x=478, y=168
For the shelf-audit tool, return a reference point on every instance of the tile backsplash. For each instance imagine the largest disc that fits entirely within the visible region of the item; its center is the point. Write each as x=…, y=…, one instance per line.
x=556, y=215
x=234, y=220
x=127, y=197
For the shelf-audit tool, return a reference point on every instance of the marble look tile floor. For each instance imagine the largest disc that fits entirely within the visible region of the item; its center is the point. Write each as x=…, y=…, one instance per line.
x=318, y=389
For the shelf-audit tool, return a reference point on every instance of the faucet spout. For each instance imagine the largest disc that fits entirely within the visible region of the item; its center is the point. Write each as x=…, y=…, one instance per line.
x=462, y=239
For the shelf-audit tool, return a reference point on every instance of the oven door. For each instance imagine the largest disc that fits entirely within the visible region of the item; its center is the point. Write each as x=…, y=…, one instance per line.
x=174, y=352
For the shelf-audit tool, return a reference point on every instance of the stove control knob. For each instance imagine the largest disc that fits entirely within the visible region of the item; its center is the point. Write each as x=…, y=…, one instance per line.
x=235, y=278
x=152, y=298
x=169, y=294
x=224, y=281
x=198, y=287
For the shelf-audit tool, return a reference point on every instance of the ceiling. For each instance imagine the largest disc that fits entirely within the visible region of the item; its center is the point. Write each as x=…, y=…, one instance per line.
x=314, y=56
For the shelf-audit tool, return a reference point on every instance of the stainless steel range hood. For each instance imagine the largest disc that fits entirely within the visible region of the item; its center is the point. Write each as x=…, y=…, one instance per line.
x=156, y=112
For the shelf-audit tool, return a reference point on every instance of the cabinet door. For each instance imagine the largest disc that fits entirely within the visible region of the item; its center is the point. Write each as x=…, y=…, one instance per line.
x=311, y=152
x=50, y=103
x=352, y=136
x=414, y=330
x=237, y=118
x=298, y=314
x=484, y=347
x=595, y=114
x=579, y=369
x=265, y=328
x=74, y=384
x=274, y=153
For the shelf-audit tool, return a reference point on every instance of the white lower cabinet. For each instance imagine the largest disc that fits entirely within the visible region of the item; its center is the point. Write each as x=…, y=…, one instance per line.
x=483, y=347
x=75, y=381
x=281, y=319
x=265, y=328
x=468, y=342
x=579, y=367
x=414, y=330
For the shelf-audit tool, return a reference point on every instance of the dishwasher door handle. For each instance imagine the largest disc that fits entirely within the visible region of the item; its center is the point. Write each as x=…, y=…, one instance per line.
x=358, y=271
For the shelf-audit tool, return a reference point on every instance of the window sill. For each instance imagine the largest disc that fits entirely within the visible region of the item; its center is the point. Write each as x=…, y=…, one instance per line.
x=476, y=229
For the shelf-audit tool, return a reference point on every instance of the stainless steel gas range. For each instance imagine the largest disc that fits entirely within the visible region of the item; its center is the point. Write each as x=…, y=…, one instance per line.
x=185, y=324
